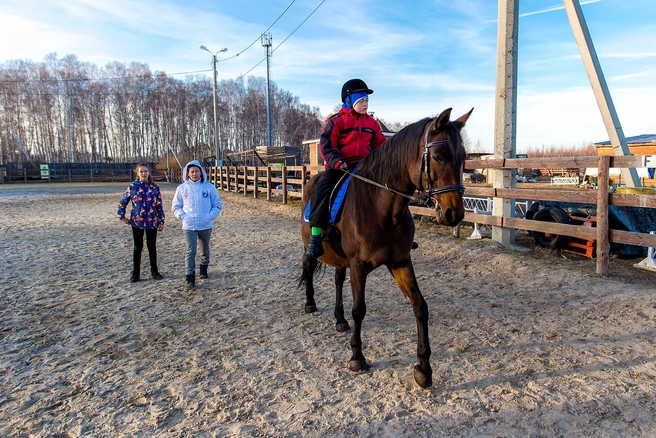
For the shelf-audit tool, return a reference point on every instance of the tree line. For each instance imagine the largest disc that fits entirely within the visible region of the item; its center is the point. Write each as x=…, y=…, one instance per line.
x=63, y=110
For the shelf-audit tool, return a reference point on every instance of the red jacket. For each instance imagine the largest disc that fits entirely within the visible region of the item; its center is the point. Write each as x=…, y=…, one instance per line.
x=349, y=136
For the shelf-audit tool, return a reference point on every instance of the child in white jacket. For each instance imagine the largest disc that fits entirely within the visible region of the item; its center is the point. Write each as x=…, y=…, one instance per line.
x=196, y=203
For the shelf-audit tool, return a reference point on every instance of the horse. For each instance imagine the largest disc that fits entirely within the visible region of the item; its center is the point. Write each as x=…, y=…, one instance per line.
x=375, y=226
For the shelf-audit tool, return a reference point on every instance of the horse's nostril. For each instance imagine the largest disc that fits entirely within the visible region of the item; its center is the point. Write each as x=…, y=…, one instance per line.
x=450, y=215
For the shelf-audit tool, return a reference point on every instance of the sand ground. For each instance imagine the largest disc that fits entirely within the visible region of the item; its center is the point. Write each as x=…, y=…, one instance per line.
x=525, y=343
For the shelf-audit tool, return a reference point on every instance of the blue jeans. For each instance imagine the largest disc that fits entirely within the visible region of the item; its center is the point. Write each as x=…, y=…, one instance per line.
x=192, y=237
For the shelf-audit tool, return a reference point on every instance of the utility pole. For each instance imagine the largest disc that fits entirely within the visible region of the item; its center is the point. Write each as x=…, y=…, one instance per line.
x=266, y=43
x=216, y=120
x=505, y=112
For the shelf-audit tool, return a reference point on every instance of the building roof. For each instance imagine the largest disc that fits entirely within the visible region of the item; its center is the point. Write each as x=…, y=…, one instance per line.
x=640, y=139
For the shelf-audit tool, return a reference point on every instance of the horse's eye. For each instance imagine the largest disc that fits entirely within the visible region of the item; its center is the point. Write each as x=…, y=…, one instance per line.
x=439, y=158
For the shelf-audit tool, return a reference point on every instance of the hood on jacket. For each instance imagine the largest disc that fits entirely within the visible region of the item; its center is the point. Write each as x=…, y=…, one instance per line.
x=196, y=163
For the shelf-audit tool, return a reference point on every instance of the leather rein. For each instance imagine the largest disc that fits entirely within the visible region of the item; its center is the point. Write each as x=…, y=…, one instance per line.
x=424, y=167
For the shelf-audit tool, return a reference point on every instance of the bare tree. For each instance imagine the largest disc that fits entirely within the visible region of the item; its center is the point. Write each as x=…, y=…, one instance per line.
x=65, y=110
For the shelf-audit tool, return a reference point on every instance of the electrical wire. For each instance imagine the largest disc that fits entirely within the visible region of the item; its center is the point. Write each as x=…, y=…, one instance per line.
x=197, y=71
x=283, y=41
x=267, y=29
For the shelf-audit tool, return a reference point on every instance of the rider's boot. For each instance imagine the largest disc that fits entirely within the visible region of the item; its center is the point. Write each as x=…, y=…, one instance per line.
x=314, y=249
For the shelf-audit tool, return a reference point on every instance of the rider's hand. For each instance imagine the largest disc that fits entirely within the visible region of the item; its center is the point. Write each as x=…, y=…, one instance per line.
x=343, y=166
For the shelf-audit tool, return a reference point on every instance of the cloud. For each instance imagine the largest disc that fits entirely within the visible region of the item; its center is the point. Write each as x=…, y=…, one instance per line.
x=555, y=8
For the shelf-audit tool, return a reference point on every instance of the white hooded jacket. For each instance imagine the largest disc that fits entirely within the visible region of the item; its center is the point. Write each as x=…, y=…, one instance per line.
x=196, y=204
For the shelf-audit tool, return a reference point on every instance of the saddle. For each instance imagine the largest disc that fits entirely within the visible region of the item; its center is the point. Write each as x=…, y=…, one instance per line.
x=335, y=203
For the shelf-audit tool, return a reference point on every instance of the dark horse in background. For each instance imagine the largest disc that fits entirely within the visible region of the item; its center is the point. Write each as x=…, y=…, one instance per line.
x=375, y=226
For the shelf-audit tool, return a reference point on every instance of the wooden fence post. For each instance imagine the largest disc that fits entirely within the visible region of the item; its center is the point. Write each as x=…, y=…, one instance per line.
x=603, y=245
x=245, y=180
x=284, y=184
x=268, y=173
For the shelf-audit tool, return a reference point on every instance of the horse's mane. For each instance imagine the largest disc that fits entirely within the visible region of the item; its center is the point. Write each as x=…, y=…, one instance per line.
x=383, y=164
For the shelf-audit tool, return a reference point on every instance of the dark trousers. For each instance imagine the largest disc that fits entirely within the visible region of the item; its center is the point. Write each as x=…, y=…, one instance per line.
x=151, y=243
x=320, y=199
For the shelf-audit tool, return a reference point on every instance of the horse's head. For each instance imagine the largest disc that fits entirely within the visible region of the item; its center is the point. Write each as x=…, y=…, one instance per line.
x=440, y=173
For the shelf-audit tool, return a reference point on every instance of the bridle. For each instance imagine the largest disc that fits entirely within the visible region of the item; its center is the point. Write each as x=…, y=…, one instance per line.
x=424, y=167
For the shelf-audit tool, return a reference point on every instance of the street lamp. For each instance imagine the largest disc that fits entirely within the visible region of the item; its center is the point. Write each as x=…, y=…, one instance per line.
x=216, y=121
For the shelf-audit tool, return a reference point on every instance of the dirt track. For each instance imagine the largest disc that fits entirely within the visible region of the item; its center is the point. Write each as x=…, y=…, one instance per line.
x=524, y=343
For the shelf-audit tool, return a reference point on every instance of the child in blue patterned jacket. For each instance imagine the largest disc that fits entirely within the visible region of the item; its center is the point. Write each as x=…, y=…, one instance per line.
x=147, y=217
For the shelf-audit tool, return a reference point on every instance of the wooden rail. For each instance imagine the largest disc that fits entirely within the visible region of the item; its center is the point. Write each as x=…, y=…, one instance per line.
x=265, y=180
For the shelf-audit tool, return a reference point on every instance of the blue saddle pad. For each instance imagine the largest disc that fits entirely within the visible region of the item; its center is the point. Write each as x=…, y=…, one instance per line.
x=336, y=205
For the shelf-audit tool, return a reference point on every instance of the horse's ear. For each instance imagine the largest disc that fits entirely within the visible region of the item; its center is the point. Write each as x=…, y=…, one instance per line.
x=442, y=120
x=460, y=122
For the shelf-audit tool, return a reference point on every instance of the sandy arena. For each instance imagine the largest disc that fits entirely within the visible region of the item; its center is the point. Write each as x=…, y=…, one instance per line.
x=525, y=343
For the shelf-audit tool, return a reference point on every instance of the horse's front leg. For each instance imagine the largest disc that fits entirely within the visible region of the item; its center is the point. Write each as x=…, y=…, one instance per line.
x=404, y=275
x=307, y=279
x=341, y=325
x=359, y=272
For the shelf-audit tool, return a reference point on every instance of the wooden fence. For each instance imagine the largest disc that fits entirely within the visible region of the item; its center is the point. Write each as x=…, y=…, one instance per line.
x=286, y=182
x=73, y=172
x=602, y=234
x=271, y=181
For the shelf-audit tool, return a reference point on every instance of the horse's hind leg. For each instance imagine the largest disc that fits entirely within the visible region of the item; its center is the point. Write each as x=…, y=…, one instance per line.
x=404, y=275
x=341, y=325
x=359, y=272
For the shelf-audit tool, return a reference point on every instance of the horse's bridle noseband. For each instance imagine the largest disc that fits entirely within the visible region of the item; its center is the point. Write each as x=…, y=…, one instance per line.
x=424, y=167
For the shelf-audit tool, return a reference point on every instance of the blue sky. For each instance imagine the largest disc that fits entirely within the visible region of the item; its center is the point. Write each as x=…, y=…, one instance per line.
x=419, y=56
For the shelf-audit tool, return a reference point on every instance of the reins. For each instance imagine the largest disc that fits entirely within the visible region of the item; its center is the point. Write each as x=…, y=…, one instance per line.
x=386, y=187
x=424, y=167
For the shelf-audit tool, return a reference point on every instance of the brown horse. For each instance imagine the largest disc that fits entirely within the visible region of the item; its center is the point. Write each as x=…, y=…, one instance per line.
x=375, y=226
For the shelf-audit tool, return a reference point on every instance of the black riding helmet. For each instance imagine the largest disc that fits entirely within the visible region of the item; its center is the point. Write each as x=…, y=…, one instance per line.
x=354, y=86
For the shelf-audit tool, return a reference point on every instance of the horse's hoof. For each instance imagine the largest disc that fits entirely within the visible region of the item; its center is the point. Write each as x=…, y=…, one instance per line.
x=358, y=366
x=310, y=309
x=423, y=379
x=342, y=327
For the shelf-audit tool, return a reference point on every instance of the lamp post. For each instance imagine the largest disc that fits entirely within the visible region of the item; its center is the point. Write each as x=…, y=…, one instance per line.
x=216, y=121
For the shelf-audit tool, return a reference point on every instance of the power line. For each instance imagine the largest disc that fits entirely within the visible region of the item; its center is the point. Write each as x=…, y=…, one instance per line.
x=297, y=27
x=283, y=41
x=267, y=29
x=190, y=72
